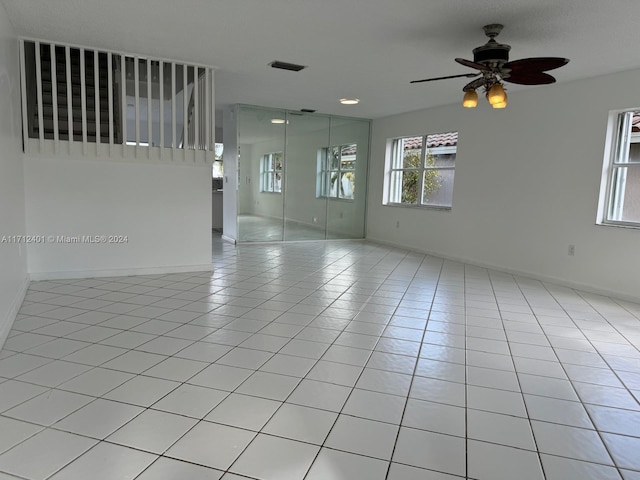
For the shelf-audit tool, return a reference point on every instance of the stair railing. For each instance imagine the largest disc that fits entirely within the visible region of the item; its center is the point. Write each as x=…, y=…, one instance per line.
x=87, y=96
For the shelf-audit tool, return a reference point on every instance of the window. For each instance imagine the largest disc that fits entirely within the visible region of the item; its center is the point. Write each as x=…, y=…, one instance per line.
x=217, y=170
x=421, y=169
x=622, y=170
x=337, y=172
x=271, y=173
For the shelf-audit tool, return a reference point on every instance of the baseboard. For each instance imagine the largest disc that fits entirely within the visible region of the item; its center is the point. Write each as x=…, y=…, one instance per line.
x=583, y=287
x=14, y=308
x=120, y=272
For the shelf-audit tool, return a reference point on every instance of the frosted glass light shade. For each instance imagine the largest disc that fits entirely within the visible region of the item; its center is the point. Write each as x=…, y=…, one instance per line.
x=502, y=104
x=470, y=99
x=496, y=94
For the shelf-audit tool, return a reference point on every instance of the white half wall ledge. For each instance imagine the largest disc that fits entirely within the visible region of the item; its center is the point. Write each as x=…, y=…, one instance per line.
x=582, y=287
x=120, y=272
x=7, y=323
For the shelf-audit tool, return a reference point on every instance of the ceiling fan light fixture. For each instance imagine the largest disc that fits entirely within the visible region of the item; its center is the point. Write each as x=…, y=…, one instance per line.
x=470, y=99
x=496, y=94
x=502, y=104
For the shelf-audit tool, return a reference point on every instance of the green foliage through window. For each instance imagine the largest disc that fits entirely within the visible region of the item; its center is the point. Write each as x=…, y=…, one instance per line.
x=421, y=170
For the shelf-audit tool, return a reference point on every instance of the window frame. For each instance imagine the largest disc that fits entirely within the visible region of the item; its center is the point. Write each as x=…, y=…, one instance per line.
x=395, y=161
x=621, y=137
x=325, y=172
x=268, y=172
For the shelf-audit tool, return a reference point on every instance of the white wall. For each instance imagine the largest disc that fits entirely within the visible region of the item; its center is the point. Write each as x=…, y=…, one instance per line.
x=526, y=186
x=164, y=210
x=13, y=257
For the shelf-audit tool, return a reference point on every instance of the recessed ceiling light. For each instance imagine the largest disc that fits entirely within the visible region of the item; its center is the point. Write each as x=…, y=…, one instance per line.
x=278, y=120
x=349, y=101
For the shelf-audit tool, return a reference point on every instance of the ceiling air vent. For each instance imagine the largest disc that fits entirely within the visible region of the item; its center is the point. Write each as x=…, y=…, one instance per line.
x=286, y=66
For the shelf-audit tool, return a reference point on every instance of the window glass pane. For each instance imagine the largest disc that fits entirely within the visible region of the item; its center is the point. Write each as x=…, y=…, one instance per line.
x=347, y=185
x=408, y=182
x=412, y=152
x=625, y=201
x=437, y=187
x=440, y=159
x=277, y=185
x=334, y=159
x=335, y=184
x=411, y=143
x=634, y=153
x=348, y=162
x=349, y=151
x=395, y=187
x=396, y=154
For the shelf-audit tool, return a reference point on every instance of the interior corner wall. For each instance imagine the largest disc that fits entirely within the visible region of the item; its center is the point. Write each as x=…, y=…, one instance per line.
x=526, y=186
x=13, y=256
x=163, y=210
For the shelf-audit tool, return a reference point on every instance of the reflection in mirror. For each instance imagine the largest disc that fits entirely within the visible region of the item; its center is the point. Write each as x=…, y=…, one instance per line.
x=305, y=212
x=261, y=164
x=301, y=176
x=346, y=207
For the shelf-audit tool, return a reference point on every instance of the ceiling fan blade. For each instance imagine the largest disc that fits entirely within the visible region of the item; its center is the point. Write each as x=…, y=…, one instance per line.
x=474, y=84
x=469, y=63
x=539, y=64
x=468, y=75
x=530, y=78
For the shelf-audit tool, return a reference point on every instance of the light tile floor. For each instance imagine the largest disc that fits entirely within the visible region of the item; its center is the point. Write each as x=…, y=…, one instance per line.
x=320, y=361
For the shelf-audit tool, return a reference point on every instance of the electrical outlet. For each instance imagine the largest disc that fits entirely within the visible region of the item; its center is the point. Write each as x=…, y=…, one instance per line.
x=571, y=250
x=397, y=223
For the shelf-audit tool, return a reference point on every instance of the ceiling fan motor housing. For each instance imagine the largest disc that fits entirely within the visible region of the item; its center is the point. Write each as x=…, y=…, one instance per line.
x=492, y=54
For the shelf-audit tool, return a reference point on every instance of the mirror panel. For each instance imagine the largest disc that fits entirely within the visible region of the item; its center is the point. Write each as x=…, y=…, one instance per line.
x=260, y=175
x=305, y=206
x=347, y=177
x=301, y=176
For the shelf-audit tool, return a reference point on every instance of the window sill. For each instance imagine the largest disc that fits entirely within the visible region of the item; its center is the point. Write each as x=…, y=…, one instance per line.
x=336, y=199
x=418, y=207
x=628, y=226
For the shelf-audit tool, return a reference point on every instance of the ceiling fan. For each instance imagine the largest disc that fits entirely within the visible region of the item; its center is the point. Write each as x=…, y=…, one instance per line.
x=492, y=61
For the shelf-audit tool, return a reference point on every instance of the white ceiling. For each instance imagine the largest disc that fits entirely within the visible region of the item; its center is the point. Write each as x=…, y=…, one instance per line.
x=369, y=49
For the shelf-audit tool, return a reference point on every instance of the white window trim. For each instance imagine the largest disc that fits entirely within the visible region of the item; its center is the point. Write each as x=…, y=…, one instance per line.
x=324, y=172
x=388, y=180
x=618, y=138
x=265, y=172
